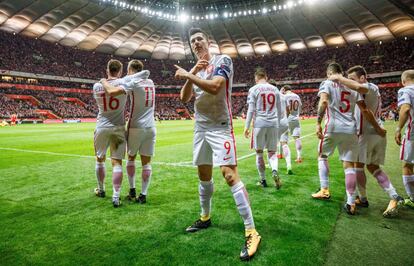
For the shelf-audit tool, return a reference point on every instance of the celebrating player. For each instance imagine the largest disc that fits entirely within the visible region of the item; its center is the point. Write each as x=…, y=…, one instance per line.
x=110, y=132
x=265, y=111
x=294, y=106
x=406, y=105
x=372, y=141
x=141, y=128
x=211, y=82
x=340, y=131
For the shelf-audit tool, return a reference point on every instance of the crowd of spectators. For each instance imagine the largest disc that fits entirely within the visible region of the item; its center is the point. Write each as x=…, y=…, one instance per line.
x=20, y=53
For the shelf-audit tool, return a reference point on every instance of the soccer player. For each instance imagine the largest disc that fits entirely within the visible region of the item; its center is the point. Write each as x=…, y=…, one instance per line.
x=141, y=130
x=264, y=102
x=294, y=105
x=372, y=139
x=406, y=105
x=110, y=132
x=338, y=102
x=211, y=82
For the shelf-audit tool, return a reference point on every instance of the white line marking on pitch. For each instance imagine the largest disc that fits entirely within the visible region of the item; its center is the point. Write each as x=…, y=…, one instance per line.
x=185, y=164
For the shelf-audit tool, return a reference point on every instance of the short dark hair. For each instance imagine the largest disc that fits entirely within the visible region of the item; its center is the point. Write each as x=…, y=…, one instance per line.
x=114, y=66
x=193, y=31
x=272, y=82
x=358, y=70
x=260, y=72
x=136, y=65
x=287, y=88
x=335, y=67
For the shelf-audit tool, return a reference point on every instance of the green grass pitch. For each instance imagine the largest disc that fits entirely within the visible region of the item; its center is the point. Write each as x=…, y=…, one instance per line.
x=49, y=215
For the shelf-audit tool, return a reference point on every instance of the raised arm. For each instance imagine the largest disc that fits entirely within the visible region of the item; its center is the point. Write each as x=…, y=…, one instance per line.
x=212, y=86
x=187, y=90
x=111, y=89
x=349, y=83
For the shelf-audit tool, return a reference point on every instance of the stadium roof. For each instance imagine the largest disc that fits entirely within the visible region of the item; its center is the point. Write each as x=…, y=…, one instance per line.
x=157, y=29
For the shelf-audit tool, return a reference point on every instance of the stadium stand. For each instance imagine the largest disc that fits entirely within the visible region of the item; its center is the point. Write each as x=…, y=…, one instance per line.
x=42, y=57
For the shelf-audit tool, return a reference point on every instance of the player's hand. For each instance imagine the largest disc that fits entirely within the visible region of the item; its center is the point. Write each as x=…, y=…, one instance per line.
x=319, y=131
x=398, y=137
x=246, y=133
x=335, y=77
x=181, y=73
x=382, y=132
x=201, y=64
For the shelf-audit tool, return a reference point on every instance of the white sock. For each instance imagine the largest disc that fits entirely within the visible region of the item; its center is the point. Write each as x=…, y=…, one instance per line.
x=261, y=167
x=130, y=168
x=273, y=160
x=116, y=180
x=243, y=205
x=298, y=144
x=286, y=153
x=146, y=178
x=323, y=168
x=350, y=184
x=205, y=190
x=100, y=175
x=409, y=185
x=361, y=182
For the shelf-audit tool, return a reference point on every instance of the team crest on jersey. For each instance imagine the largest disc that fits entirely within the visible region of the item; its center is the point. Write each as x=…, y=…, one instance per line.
x=210, y=69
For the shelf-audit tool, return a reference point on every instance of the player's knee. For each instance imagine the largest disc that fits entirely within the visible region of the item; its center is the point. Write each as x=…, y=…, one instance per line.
x=100, y=159
x=116, y=162
x=372, y=168
x=132, y=157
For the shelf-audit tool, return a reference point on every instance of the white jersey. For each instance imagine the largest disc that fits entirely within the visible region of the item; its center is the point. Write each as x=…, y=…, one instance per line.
x=142, y=99
x=284, y=119
x=264, y=102
x=340, y=112
x=406, y=96
x=111, y=108
x=294, y=105
x=214, y=111
x=372, y=100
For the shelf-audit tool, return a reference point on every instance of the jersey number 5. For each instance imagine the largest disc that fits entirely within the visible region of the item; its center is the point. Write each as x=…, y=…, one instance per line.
x=345, y=100
x=113, y=103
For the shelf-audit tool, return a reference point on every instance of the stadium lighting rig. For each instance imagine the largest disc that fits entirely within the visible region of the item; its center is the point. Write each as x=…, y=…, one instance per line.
x=175, y=12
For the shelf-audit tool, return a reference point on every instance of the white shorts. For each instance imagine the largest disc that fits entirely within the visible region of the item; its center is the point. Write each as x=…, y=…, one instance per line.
x=347, y=146
x=141, y=140
x=114, y=138
x=293, y=130
x=265, y=138
x=214, y=148
x=407, y=151
x=372, y=149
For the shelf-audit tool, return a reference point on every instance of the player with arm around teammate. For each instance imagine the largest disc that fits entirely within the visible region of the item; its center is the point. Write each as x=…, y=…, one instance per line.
x=264, y=101
x=338, y=102
x=141, y=132
x=110, y=132
x=211, y=81
x=406, y=114
x=372, y=140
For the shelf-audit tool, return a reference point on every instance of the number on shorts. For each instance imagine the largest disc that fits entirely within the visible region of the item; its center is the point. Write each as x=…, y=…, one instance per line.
x=270, y=100
x=149, y=102
x=227, y=146
x=345, y=100
x=113, y=103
